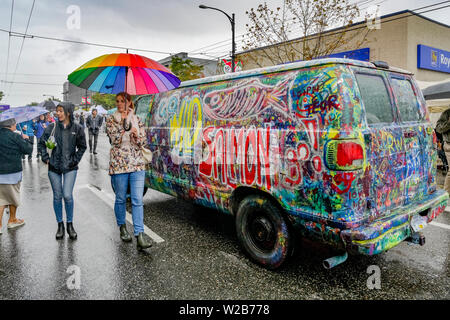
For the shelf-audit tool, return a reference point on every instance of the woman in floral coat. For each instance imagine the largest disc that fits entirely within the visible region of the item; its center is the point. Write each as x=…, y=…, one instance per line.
x=127, y=166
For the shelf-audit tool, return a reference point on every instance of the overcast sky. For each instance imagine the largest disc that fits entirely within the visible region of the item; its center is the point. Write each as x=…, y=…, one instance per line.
x=168, y=26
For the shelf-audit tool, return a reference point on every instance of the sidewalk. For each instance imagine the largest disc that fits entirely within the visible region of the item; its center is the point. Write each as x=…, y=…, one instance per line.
x=34, y=265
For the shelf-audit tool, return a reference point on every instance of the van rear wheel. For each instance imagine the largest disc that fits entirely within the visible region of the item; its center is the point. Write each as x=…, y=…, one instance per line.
x=263, y=232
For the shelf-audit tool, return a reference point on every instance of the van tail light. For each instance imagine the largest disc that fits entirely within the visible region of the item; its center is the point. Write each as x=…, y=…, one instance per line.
x=344, y=155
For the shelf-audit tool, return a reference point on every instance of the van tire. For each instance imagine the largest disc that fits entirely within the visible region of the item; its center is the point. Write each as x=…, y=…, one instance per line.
x=263, y=232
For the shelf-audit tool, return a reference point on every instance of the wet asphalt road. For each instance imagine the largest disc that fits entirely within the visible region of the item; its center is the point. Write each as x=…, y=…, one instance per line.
x=198, y=259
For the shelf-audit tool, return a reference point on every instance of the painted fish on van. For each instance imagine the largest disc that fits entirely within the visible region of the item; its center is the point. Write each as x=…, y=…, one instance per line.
x=246, y=100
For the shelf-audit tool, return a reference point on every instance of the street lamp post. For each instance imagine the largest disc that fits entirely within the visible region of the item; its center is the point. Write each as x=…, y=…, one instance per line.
x=232, y=21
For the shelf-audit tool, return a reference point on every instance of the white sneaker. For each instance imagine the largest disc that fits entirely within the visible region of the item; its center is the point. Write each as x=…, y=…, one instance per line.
x=18, y=223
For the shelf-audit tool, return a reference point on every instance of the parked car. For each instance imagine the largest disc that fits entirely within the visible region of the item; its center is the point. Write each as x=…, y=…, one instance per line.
x=339, y=151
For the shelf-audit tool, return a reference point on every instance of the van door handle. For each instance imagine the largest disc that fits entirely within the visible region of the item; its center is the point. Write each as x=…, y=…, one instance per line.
x=409, y=134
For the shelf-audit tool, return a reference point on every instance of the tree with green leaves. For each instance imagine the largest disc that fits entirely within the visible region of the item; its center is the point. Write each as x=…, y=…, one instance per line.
x=108, y=101
x=1, y=95
x=300, y=30
x=185, y=69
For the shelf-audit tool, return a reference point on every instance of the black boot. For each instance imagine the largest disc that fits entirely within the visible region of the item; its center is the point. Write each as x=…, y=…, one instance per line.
x=141, y=242
x=71, y=231
x=60, y=232
x=124, y=235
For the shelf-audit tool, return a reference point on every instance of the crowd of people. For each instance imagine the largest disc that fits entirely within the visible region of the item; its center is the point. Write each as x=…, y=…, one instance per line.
x=61, y=144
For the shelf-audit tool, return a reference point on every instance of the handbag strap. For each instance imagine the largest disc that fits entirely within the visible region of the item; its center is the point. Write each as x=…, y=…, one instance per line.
x=53, y=130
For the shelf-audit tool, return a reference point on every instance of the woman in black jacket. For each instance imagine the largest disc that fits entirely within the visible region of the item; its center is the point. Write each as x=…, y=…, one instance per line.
x=63, y=164
x=12, y=147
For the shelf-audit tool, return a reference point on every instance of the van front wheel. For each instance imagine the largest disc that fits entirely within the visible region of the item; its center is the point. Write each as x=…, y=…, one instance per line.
x=263, y=232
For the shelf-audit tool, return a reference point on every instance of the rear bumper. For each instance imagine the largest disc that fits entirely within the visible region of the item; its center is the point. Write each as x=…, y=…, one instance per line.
x=385, y=233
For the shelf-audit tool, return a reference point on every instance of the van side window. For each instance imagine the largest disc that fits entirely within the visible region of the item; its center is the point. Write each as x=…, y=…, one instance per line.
x=375, y=98
x=406, y=99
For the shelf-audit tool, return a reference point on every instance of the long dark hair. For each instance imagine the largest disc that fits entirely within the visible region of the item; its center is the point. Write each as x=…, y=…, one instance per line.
x=68, y=111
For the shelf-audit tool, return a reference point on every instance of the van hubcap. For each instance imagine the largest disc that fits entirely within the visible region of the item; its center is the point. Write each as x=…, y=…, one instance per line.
x=262, y=233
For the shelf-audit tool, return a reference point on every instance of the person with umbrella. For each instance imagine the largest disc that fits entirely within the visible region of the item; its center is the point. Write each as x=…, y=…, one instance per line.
x=127, y=166
x=42, y=124
x=67, y=151
x=24, y=116
x=12, y=147
x=126, y=74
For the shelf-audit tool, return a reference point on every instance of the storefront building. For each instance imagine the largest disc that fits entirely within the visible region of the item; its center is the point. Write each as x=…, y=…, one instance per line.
x=403, y=39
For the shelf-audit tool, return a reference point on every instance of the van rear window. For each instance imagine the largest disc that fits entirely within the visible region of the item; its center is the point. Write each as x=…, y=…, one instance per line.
x=406, y=100
x=375, y=98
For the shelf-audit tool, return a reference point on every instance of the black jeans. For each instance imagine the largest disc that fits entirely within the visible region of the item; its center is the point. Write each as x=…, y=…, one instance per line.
x=31, y=138
x=37, y=144
x=95, y=136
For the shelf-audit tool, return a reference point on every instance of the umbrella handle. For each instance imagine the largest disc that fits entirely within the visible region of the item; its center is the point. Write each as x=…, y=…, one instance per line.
x=126, y=80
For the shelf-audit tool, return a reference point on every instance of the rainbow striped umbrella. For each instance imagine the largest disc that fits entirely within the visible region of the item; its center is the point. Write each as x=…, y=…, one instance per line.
x=117, y=72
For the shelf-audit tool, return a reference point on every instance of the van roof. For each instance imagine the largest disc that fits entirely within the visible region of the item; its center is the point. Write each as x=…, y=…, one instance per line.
x=285, y=67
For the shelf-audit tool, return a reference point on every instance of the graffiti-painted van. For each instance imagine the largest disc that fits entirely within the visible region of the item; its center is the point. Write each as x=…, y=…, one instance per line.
x=335, y=150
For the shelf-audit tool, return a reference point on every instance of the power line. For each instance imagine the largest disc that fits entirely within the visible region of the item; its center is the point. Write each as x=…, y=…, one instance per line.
x=34, y=83
x=21, y=46
x=238, y=42
x=24, y=95
x=9, y=39
x=202, y=48
x=38, y=74
x=365, y=3
x=331, y=33
x=431, y=10
x=193, y=52
x=18, y=34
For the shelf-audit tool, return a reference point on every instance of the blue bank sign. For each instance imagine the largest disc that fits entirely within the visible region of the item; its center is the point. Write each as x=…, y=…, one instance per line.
x=433, y=59
x=360, y=54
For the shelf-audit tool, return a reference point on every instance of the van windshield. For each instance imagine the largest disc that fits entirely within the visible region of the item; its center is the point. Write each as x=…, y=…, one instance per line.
x=406, y=100
x=375, y=98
